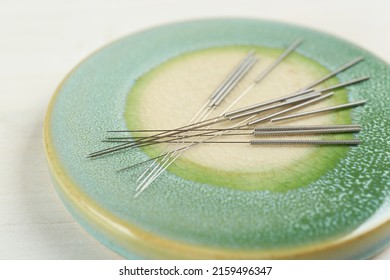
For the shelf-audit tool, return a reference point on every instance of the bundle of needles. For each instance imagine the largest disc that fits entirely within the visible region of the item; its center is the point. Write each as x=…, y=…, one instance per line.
x=244, y=121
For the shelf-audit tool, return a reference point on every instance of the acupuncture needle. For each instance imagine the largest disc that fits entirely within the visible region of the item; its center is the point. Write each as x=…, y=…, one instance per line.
x=284, y=142
x=262, y=128
x=281, y=132
x=258, y=133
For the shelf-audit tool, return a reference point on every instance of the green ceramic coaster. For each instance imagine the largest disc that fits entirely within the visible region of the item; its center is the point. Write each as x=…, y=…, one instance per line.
x=230, y=202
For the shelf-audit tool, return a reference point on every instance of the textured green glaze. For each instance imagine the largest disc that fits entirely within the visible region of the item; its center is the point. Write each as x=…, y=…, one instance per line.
x=93, y=99
x=294, y=175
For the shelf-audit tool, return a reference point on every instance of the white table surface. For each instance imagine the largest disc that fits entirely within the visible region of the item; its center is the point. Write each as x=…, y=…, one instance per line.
x=41, y=41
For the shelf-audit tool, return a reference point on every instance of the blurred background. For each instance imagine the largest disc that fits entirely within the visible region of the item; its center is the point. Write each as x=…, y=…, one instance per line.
x=41, y=41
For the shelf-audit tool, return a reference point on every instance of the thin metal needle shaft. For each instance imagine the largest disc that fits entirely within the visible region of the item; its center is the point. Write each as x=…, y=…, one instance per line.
x=322, y=110
x=333, y=73
x=290, y=109
x=347, y=83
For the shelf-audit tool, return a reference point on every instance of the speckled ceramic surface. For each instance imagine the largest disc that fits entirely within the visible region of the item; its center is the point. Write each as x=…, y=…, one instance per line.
x=335, y=216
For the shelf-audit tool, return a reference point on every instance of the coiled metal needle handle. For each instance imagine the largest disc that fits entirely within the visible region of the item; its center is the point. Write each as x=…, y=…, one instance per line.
x=307, y=131
x=306, y=142
x=305, y=127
